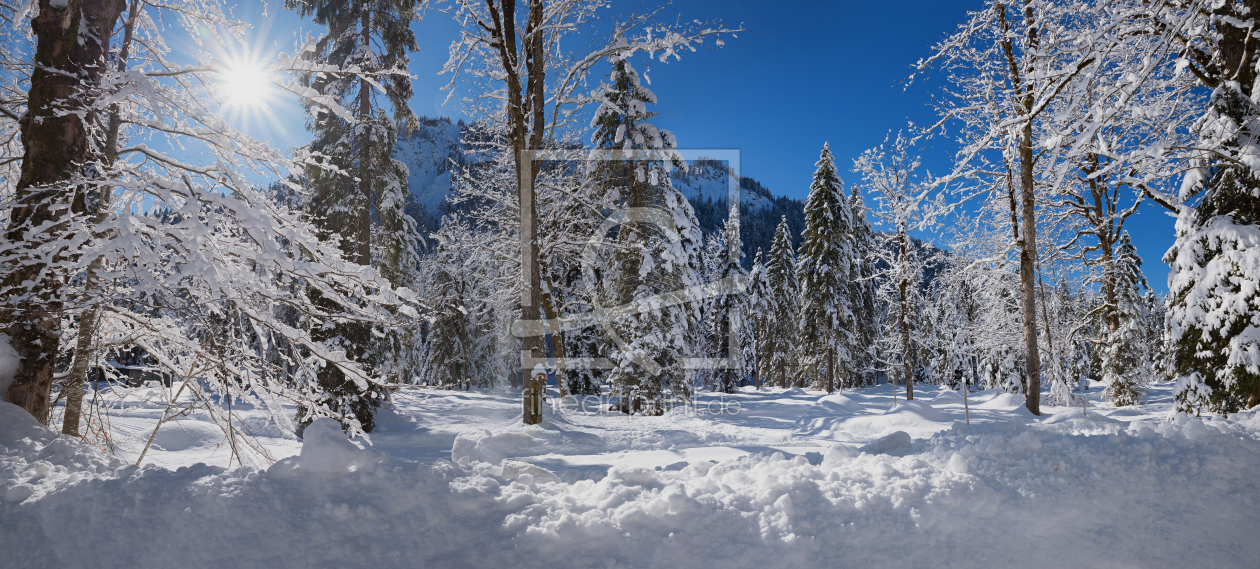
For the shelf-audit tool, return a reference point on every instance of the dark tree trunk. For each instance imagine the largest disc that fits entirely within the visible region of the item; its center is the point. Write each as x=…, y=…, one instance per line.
x=831, y=358
x=363, y=250
x=71, y=43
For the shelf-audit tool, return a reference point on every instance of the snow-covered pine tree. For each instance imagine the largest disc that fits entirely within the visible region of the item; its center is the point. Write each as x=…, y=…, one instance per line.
x=359, y=190
x=729, y=313
x=866, y=311
x=658, y=248
x=762, y=310
x=780, y=350
x=1126, y=365
x=1214, y=285
x=459, y=349
x=827, y=268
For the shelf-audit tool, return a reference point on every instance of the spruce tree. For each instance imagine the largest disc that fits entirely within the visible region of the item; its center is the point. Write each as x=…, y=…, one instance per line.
x=827, y=270
x=729, y=311
x=1214, y=289
x=762, y=308
x=358, y=192
x=1126, y=369
x=780, y=346
x=657, y=252
x=866, y=318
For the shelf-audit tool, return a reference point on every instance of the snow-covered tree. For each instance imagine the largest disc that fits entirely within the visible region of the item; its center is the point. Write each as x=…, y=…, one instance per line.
x=828, y=267
x=866, y=310
x=1214, y=286
x=72, y=40
x=907, y=204
x=186, y=258
x=657, y=256
x=459, y=350
x=729, y=313
x=761, y=310
x=1006, y=65
x=534, y=81
x=358, y=190
x=779, y=349
x=1126, y=365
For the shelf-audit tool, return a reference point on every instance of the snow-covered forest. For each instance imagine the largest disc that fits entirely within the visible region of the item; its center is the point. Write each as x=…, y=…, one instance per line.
x=554, y=333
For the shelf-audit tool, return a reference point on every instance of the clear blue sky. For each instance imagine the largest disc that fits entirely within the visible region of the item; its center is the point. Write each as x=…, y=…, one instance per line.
x=806, y=72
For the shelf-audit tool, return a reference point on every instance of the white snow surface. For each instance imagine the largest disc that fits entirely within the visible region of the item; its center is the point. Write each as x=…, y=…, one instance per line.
x=795, y=479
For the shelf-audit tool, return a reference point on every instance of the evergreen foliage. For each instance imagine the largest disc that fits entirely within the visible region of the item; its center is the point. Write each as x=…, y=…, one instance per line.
x=657, y=253
x=828, y=266
x=358, y=190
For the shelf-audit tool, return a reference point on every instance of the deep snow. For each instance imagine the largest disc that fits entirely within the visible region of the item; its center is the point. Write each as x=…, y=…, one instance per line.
x=794, y=479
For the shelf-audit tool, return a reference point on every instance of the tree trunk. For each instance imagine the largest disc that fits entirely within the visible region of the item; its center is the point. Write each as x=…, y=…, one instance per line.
x=831, y=357
x=90, y=317
x=1027, y=260
x=71, y=43
x=363, y=251
x=1026, y=232
x=905, y=322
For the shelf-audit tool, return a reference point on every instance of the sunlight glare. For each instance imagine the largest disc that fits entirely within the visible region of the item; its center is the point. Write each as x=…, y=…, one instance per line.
x=244, y=85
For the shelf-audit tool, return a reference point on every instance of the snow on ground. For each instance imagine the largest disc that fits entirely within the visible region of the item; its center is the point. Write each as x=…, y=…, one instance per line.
x=755, y=479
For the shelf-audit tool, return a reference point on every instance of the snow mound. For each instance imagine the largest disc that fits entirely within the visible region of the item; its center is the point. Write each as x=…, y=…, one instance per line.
x=1073, y=422
x=187, y=435
x=555, y=434
x=836, y=414
x=947, y=396
x=1003, y=401
x=794, y=391
x=916, y=418
x=887, y=443
x=326, y=449
x=827, y=414
x=33, y=458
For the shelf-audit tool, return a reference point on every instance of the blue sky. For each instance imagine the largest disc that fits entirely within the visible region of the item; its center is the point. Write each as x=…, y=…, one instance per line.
x=805, y=73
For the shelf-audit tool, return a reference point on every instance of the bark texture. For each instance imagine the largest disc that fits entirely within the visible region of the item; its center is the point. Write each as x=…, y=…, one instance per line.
x=71, y=43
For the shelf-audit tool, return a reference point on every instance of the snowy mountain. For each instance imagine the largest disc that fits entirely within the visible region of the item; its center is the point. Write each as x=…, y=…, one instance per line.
x=428, y=153
x=430, y=150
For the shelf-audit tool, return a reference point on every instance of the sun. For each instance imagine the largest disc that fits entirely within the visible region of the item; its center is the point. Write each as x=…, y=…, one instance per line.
x=244, y=85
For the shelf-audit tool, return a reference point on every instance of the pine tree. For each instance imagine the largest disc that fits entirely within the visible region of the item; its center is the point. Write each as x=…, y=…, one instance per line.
x=729, y=311
x=1214, y=291
x=1125, y=367
x=865, y=313
x=658, y=248
x=359, y=191
x=827, y=270
x=779, y=350
x=1214, y=295
x=763, y=308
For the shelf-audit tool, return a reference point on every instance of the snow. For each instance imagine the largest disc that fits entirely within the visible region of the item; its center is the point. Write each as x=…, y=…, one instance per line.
x=9, y=363
x=794, y=478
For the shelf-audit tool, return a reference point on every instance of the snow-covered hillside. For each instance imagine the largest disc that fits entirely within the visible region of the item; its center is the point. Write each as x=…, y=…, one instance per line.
x=708, y=179
x=756, y=479
x=428, y=153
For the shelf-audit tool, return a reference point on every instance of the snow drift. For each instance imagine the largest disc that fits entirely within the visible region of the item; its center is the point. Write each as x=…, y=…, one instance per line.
x=985, y=496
